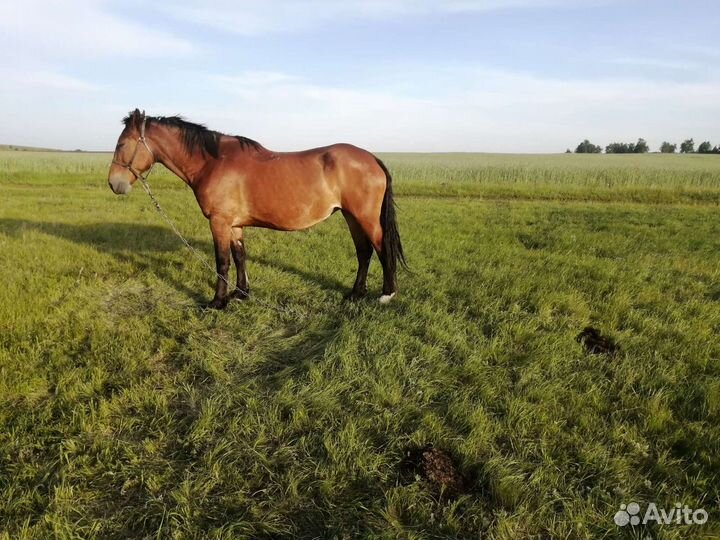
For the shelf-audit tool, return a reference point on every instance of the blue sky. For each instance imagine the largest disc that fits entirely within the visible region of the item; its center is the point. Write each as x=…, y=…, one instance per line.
x=405, y=75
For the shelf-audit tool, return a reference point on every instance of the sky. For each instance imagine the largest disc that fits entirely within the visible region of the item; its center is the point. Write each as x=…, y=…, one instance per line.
x=394, y=75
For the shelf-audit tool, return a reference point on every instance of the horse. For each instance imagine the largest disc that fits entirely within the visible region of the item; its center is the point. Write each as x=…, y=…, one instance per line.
x=239, y=183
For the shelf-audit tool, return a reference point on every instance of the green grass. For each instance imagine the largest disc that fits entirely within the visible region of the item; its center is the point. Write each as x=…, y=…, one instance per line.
x=127, y=412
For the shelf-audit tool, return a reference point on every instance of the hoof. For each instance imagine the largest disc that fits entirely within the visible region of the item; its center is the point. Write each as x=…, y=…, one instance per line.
x=217, y=303
x=240, y=295
x=385, y=298
x=354, y=296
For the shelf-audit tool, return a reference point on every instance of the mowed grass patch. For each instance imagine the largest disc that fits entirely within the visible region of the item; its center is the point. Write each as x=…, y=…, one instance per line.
x=128, y=412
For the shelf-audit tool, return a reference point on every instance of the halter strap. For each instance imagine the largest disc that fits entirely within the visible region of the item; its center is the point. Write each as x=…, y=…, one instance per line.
x=129, y=164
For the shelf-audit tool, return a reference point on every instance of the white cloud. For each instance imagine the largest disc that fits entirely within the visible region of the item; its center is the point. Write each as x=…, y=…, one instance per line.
x=80, y=29
x=255, y=18
x=657, y=63
x=467, y=108
x=43, y=79
x=700, y=50
x=480, y=110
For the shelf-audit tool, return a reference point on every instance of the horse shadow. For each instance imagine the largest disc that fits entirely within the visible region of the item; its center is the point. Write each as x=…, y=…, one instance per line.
x=146, y=247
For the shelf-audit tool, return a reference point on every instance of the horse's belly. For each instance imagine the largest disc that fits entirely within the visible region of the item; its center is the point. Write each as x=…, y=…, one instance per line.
x=290, y=223
x=292, y=211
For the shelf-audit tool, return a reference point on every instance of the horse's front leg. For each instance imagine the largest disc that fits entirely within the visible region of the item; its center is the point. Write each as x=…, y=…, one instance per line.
x=222, y=237
x=242, y=290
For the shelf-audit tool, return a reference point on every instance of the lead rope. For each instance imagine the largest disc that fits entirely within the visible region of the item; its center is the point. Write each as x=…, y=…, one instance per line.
x=198, y=255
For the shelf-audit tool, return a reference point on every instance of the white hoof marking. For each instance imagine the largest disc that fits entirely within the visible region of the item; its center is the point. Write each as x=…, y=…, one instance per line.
x=385, y=298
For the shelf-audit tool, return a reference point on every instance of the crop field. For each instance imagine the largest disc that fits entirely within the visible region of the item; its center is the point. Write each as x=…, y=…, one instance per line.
x=127, y=411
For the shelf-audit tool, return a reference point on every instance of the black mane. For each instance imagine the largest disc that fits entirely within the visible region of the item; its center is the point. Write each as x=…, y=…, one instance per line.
x=196, y=136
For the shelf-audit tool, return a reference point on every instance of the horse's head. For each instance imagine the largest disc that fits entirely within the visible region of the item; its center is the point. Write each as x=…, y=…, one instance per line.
x=133, y=157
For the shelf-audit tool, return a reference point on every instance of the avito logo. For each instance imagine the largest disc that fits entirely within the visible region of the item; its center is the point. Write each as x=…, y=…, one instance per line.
x=629, y=514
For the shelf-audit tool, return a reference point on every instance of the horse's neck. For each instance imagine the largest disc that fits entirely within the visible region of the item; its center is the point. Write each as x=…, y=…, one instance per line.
x=172, y=154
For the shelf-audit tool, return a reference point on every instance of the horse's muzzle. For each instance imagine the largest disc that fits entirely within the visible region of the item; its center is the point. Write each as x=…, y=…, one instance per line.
x=119, y=186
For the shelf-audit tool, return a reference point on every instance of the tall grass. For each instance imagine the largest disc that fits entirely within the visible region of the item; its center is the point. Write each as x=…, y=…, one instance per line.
x=641, y=178
x=128, y=412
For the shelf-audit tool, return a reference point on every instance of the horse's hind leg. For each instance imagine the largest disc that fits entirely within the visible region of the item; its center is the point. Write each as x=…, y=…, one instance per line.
x=389, y=280
x=374, y=231
x=363, y=249
x=237, y=246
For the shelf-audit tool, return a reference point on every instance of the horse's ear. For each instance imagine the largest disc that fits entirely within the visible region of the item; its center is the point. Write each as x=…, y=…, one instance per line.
x=137, y=118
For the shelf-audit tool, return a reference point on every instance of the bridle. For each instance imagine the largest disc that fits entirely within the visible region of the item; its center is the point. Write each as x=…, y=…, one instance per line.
x=129, y=164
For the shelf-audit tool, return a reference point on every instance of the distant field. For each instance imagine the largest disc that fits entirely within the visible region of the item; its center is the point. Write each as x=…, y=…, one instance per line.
x=128, y=412
x=18, y=148
x=649, y=178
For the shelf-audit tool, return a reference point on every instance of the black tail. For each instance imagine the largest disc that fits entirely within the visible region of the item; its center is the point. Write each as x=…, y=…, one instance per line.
x=391, y=234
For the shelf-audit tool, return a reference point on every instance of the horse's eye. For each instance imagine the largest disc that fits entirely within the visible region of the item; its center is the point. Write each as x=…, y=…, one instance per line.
x=119, y=146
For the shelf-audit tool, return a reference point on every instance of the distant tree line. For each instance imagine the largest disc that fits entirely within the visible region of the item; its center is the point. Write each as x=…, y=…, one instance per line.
x=641, y=147
x=586, y=147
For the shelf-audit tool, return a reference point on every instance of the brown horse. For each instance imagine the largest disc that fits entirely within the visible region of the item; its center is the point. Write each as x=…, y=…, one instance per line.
x=239, y=183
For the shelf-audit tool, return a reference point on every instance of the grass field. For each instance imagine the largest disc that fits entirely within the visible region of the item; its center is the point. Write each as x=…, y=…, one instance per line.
x=128, y=412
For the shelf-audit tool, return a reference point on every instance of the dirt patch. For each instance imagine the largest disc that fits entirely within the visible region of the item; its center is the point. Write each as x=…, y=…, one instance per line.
x=435, y=469
x=597, y=343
